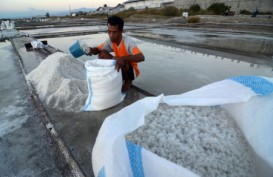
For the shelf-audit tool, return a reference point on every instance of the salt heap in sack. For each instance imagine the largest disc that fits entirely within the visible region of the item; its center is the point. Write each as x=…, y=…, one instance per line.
x=60, y=82
x=176, y=139
x=205, y=140
x=104, y=85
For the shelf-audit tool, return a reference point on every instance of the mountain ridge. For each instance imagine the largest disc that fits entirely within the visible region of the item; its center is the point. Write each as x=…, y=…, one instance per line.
x=40, y=13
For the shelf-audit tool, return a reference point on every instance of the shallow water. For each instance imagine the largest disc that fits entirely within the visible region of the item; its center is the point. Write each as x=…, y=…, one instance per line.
x=11, y=104
x=70, y=29
x=25, y=148
x=8, y=74
x=172, y=69
x=65, y=29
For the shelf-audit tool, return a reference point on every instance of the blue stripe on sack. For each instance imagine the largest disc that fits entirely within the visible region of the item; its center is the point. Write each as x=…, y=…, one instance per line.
x=257, y=84
x=102, y=172
x=90, y=97
x=134, y=152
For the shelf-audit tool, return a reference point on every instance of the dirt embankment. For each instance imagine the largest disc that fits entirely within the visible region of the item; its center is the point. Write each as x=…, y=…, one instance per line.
x=242, y=23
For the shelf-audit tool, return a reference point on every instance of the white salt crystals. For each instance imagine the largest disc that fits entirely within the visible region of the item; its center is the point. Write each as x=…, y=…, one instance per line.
x=60, y=82
x=205, y=140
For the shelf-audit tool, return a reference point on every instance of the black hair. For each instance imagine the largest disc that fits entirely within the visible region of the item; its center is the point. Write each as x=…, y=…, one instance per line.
x=116, y=20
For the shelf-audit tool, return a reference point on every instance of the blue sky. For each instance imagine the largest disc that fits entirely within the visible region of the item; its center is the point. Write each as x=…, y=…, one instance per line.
x=13, y=7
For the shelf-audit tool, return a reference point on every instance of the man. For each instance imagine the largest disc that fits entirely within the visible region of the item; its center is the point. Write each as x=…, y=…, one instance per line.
x=127, y=54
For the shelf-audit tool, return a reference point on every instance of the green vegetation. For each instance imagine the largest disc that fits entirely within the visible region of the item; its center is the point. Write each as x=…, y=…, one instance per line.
x=47, y=15
x=97, y=16
x=218, y=8
x=126, y=13
x=167, y=11
x=194, y=9
x=194, y=19
x=170, y=12
x=265, y=13
x=245, y=12
x=148, y=11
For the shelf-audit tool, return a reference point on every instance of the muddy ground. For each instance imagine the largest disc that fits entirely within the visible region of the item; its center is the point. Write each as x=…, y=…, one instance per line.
x=259, y=24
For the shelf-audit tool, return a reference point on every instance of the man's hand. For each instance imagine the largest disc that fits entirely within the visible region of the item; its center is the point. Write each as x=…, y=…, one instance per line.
x=105, y=55
x=88, y=52
x=86, y=49
x=119, y=63
x=92, y=50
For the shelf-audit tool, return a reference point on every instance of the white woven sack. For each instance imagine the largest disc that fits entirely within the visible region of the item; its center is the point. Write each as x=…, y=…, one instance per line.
x=104, y=85
x=248, y=99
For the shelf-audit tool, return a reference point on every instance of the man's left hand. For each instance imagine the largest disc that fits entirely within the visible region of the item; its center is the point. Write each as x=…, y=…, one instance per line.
x=105, y=55
x=119, y=63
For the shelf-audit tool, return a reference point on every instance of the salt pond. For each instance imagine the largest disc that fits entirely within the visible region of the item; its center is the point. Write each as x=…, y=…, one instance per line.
x=65, y=29
x=171, y=69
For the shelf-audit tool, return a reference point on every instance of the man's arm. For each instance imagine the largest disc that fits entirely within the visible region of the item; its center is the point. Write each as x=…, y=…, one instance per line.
x=120, y=61
x=105, y=55
x=101, y=54
x=94, y=50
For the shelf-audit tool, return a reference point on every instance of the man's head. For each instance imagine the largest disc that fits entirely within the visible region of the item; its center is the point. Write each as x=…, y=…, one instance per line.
x=115, y=28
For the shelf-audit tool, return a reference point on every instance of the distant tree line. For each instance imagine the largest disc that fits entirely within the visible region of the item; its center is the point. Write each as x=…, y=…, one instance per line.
x=47, y=15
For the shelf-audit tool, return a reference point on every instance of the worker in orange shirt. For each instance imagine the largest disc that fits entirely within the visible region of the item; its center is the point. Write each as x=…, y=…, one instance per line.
x=127, y=54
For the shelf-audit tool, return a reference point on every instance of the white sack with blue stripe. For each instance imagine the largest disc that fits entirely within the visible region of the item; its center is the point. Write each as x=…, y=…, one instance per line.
x=104, y=85
x=249, y=99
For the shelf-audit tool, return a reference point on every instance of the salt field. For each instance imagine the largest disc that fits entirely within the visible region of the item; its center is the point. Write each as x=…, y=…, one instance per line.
x=64, y=29
x=171, y=69
x=26, y=149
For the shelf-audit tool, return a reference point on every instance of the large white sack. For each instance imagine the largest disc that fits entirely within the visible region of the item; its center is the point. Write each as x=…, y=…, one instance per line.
x=248, y=99
x=104, y=85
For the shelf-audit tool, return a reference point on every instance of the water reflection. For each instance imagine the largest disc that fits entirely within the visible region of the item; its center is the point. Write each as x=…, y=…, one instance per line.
x=65, y=29
x=174, y=70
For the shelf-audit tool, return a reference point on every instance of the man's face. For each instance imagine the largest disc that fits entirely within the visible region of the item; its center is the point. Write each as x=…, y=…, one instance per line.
x=114, y=33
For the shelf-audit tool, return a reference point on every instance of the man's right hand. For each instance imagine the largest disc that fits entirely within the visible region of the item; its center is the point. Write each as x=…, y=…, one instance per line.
x=86, y=49
x=92, y=51
x=88, y=52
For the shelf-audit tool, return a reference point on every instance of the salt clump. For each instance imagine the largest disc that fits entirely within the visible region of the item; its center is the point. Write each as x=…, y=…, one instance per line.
x=205, y=140
x=60, y=82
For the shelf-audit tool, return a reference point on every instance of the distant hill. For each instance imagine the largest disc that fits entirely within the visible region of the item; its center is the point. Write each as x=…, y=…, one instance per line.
x=35, y=13
x=83, y=9
x=59, y=13
x=64, y=13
